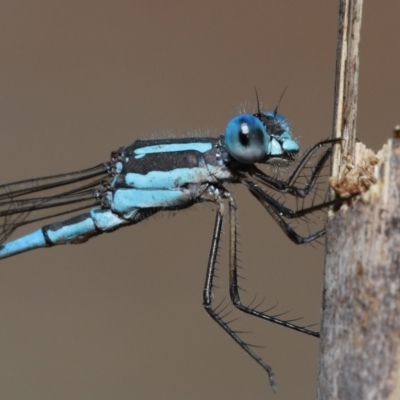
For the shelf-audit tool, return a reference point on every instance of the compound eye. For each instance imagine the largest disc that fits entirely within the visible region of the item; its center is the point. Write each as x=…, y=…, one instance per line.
x=245, y=138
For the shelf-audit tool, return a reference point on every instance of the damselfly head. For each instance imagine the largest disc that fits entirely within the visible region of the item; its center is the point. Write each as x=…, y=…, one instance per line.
x=260, y=138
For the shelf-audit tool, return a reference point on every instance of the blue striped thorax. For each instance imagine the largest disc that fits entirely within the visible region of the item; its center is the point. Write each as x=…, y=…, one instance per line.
x=169, y=163
x=174, y=172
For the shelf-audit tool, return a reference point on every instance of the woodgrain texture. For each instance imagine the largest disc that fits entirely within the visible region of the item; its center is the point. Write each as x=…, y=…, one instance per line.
x=360, y=345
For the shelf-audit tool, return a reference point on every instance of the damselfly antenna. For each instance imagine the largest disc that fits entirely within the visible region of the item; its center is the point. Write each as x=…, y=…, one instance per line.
x=279, y=102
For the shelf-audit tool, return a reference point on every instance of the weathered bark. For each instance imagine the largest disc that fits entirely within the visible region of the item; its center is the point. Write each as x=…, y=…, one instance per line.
x=346, y=80
x=360, y=336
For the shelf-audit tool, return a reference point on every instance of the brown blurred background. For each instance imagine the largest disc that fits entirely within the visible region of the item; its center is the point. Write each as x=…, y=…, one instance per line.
x=120, y=317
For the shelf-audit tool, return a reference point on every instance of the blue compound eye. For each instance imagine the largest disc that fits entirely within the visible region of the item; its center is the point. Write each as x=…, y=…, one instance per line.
x=245, y=139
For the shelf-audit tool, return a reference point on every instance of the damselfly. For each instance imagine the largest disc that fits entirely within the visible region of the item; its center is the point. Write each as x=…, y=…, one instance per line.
x=150, y=176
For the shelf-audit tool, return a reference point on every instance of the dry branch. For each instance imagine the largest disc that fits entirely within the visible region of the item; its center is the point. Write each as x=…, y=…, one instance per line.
x=360, y=334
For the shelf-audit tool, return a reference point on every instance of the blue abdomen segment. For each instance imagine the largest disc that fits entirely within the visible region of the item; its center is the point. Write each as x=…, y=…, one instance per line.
x=28, y=242
x=69, y=231
x=78, y=229
x=82, y=227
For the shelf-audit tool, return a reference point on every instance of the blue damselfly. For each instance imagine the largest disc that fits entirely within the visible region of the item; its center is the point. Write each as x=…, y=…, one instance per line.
x=150, y=176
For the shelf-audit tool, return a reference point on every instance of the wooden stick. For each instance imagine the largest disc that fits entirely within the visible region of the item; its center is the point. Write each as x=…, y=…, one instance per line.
x=360, y=334
x=346, y=79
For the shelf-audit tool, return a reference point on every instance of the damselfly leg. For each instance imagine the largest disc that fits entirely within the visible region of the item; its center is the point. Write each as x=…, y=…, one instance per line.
x=208, y=286
x=279, y=213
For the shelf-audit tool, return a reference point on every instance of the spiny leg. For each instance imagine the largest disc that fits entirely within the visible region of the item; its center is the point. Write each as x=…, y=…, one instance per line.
x=207, y=296
x=289, y=185
x=233, y=279
x=279, y=212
